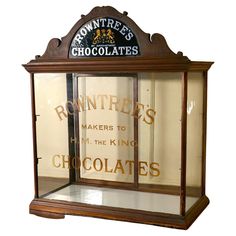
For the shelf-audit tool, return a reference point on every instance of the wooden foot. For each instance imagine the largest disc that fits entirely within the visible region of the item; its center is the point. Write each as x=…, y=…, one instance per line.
x=51, y=215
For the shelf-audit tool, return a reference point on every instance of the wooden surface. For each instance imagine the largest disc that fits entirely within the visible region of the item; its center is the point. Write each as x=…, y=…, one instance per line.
x=155, y=54
x=136, y=156
x=150, y=45
x=58, y=209
x=183, y=143
x=127, y=64
x=34, y=119
x=204, y=132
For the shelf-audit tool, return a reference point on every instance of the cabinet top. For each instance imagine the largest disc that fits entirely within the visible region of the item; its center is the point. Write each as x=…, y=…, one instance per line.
x=107, y=40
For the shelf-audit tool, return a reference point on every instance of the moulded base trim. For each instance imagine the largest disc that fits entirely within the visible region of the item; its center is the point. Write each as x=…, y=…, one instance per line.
x=58, y=209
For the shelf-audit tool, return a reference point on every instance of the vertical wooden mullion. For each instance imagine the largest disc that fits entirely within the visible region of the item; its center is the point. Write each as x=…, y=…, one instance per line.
x=204, y=132
x=183, y=143
x=76, y=128
x=34, y=119
x=136, y=167
x=69, y=90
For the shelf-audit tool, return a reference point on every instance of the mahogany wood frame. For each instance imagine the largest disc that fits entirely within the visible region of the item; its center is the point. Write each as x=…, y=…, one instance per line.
x=155, y=56
x=183, y=143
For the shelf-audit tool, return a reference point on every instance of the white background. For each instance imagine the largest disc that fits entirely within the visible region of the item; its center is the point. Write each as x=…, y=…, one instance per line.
x=203, y=30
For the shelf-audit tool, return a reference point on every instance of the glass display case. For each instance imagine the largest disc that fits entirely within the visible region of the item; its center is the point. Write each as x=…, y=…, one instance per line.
x=119, y=125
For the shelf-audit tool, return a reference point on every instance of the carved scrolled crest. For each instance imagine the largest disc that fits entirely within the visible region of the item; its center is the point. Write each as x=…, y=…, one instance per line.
x=148, y=46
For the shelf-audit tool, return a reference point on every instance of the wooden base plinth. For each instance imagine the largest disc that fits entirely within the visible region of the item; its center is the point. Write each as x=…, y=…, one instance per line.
x=46, y=214
x=58, y=209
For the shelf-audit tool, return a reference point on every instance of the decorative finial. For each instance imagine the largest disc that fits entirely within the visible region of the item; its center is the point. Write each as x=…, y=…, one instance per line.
x=179, y=53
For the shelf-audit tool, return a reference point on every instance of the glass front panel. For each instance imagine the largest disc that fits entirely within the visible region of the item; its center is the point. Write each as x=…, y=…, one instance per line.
x=194, y=136
x=111, y=139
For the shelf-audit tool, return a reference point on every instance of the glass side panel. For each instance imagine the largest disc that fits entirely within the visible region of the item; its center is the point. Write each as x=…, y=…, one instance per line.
x=52, y=134
x=160, y=141
x=194, y=135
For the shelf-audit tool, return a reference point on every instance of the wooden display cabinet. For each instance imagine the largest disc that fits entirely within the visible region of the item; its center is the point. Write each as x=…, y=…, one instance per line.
x=119, y=125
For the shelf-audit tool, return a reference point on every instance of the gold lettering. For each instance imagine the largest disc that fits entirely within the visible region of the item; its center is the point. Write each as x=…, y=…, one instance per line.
x=140, y=168
x=72, y=162
x=126, y=105
x=73, y=140
x=75, y=163
x=95, y=164
x=123, y=142
x=69, y=108
x=80, y=103
x=148, y=111
x=114, y=101
x=137, y=108
x=92, y=103
x=84, y=126
x=103, y=127
x=102, y=100
x=65, y=161
x=60, y=110
x=131, y=166
x=154, y=169
x=54, y=161
x=99, y=165
x=119, y=167
x=86, y=141
x=133, y=143
x=85, y=162
x=95, y=127
x=112, y=142
x=106, y=166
